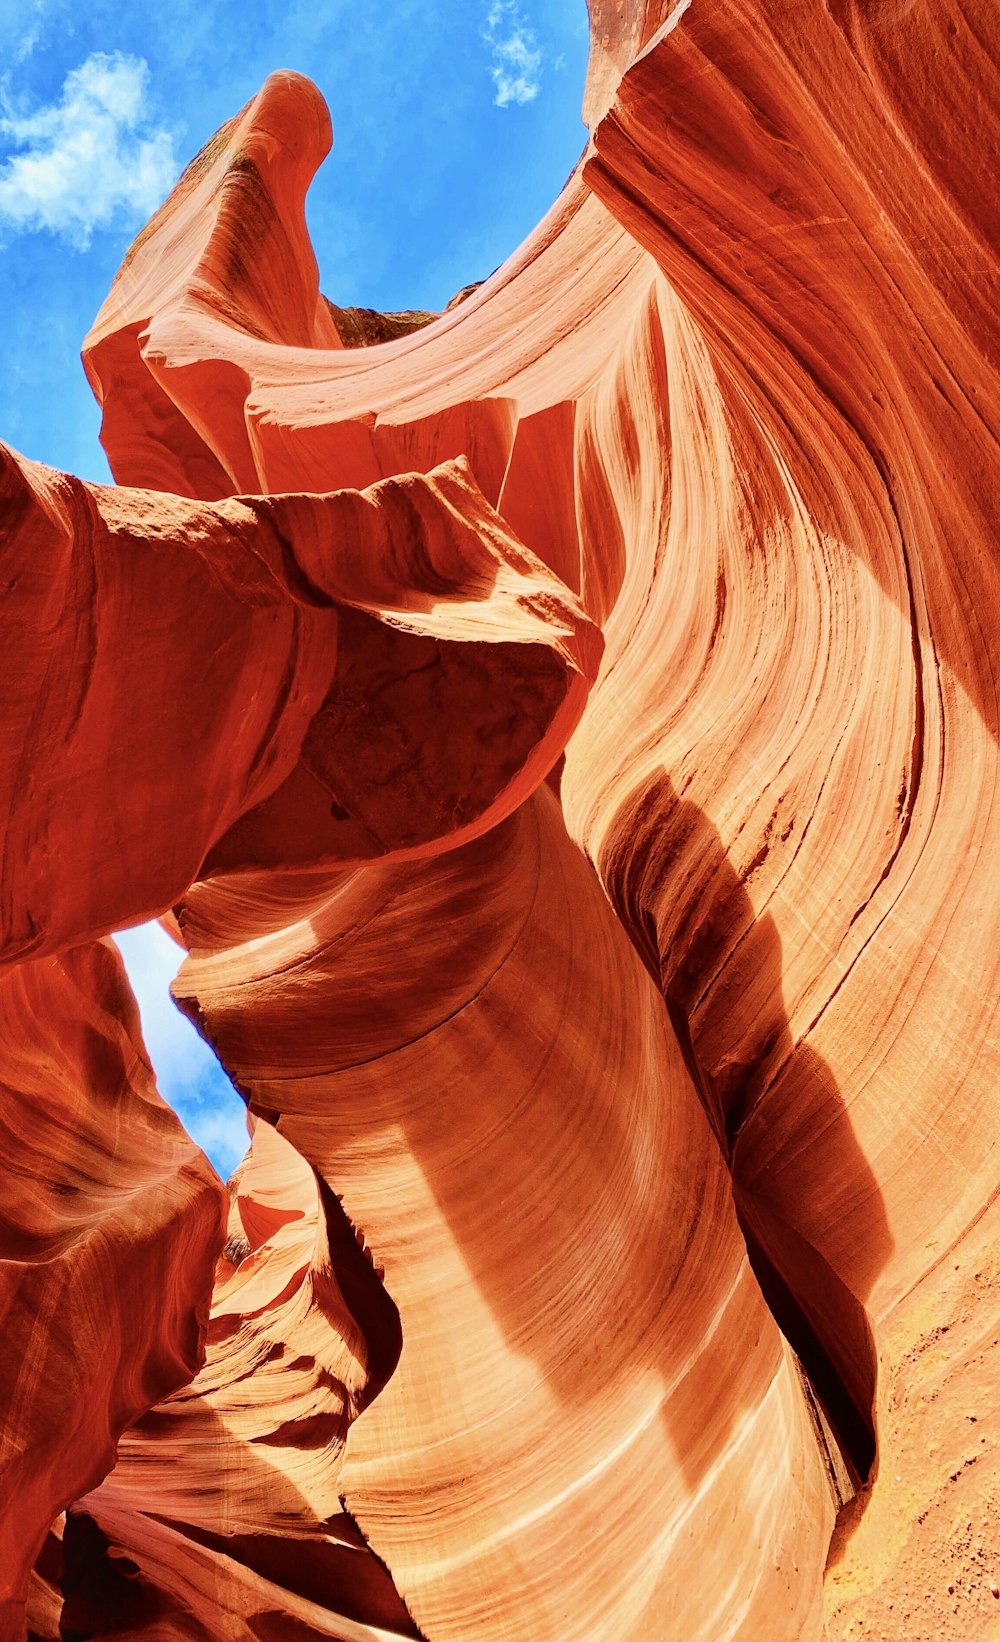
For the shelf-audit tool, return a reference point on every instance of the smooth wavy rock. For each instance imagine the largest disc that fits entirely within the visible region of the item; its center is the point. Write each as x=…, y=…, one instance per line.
x=803, y=837
x=712, y=398
x=588, y=1369
x=593, y=1075
x=110, y=1224
x=340, y=671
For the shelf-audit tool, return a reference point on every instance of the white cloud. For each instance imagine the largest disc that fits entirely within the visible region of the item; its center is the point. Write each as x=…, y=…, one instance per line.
x=26, y=44
x=22, y=25
x=516, y=66
x=90, y=160
x=188, y=1075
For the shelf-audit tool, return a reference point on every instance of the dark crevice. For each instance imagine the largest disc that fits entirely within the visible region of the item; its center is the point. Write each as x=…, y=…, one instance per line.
x=843, y=1380
x=823, y=1321
x=414, y=1630
x=340, y=1573
x=364, y=1294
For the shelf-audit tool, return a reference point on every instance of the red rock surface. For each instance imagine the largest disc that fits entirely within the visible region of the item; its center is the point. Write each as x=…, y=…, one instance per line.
x=110, y=1221
x=326, y=641
x=662, y=1096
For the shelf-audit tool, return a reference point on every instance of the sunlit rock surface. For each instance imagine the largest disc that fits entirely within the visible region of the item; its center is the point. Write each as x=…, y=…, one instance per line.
x=621, y=1201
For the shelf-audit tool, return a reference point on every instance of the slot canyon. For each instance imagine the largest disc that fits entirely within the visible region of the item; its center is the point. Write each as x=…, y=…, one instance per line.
x=561, y=735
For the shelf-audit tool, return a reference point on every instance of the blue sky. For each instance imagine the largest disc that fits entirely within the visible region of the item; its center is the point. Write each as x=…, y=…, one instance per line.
x=187, y=1072
x=456, y=123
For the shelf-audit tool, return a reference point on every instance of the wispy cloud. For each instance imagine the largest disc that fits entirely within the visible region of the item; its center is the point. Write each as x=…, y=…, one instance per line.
x=516, y=65
x=91, y=160
x=27, y=43
x=22, y=26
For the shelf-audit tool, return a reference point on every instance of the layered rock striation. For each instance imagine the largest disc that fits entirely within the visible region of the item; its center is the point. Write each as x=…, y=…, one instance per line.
x=615, y=1255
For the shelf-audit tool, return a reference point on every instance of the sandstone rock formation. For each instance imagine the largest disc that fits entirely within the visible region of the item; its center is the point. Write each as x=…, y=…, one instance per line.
x=109, y=1222
x=622, y=1196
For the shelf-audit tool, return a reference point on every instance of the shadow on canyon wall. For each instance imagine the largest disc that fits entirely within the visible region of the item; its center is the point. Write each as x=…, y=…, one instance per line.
x=108, y=1593
x=820, y=1314
x=771, y=1101
x=486, y=1155
x=330, y=1564
x=719, y=968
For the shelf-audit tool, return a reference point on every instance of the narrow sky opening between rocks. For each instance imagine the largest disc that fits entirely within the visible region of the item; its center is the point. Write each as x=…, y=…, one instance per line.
x=188, y=1074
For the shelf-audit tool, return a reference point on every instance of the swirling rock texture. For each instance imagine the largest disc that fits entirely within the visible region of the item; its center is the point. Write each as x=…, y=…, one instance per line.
x=616, y=1252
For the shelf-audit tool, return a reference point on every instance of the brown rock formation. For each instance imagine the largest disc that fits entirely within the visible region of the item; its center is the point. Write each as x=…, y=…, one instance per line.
x=630, y=1090
x=226, y=1496
x=328, y=642
x=110, y=1222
